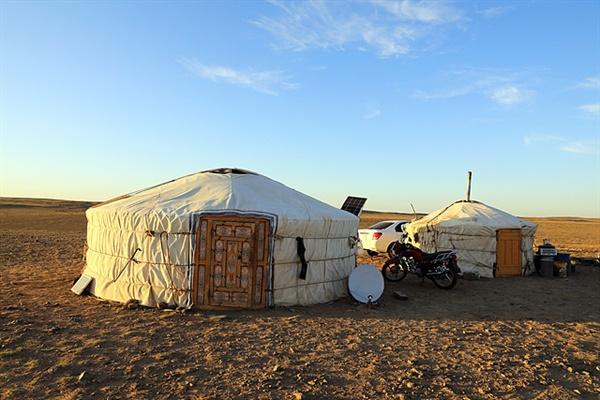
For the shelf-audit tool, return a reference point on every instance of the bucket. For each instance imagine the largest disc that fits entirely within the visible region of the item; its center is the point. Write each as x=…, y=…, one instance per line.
x=560, y=269
x=566, y=257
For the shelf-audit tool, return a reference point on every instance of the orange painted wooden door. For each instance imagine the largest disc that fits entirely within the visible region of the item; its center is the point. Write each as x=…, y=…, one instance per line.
x=231, y=259
x=508, y=252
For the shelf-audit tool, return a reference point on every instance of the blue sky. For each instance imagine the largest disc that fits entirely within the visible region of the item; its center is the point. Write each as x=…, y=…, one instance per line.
x=390, y=100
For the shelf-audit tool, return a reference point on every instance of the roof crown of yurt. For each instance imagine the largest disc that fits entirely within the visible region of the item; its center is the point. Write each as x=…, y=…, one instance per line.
x=492, y=242
x=221, y=238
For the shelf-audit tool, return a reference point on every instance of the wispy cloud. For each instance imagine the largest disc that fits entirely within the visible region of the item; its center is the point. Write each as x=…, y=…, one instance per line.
x=509, y=95
x=536, y=139
x=504, y=87
x=591, y=83
x=494, y=12
x=388, y=28
x=437, y=12
x=580, y=147
x=373, y=112
x=269, y=82
x=593, y=109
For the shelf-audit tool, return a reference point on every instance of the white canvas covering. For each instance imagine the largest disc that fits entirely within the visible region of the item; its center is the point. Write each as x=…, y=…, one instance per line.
x=141, y=246
x=471, y=226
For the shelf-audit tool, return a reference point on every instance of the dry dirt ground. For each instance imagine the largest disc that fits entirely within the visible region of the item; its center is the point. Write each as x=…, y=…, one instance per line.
x=516, y=338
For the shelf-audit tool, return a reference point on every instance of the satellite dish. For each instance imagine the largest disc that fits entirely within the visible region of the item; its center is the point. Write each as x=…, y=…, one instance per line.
x=366, y=283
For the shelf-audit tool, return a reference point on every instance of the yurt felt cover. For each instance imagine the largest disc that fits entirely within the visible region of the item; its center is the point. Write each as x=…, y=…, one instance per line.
x=141, y=246
x=471, y=226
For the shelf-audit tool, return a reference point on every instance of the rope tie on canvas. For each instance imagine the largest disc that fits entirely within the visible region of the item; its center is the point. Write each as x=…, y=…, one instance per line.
x=128, y=262
x=280, y=237
x=166, y=255
x=313, y=260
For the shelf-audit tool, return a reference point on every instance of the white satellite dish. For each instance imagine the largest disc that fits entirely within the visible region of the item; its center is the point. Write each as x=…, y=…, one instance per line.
x=366, y=283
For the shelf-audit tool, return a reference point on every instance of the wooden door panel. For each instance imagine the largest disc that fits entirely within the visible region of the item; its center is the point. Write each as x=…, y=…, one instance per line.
x=231, y=277
x=508, y=252
x=231, y=268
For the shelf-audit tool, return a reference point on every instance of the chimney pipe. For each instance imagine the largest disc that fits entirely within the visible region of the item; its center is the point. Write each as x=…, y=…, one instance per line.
x=469, y=187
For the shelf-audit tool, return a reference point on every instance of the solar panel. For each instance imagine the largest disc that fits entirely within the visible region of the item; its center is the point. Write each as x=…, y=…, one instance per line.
x=354, y=205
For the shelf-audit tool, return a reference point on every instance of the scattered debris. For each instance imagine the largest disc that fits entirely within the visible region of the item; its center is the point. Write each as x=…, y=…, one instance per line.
x=471, y=276
x=218, y=317
x=166, y=306
x=85, y=377
x=400, y=295
x=132, y=304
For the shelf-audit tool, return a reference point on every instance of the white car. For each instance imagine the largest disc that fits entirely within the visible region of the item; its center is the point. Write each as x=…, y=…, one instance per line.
x=379, y=237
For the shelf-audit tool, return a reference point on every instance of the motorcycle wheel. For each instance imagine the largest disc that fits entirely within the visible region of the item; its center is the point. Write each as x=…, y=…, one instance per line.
x=394, y=271
x=448, y=279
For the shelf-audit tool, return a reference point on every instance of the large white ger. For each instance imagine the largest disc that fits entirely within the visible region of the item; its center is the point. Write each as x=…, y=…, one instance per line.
x=225, y=238
x=492, y=242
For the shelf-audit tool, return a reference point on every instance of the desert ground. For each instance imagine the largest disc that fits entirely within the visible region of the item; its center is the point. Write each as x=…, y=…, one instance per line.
x=516, y=338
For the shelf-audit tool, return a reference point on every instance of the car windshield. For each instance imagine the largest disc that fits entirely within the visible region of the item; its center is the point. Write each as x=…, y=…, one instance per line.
x=381, y=225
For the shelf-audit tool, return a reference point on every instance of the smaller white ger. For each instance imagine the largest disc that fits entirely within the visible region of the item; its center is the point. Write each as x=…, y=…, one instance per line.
x=493, y=242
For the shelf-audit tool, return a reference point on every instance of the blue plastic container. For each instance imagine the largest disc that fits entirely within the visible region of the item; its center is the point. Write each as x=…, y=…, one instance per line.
x=567, y=258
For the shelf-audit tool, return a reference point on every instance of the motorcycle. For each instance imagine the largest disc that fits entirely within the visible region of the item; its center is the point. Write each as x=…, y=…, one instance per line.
x=441, y=267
